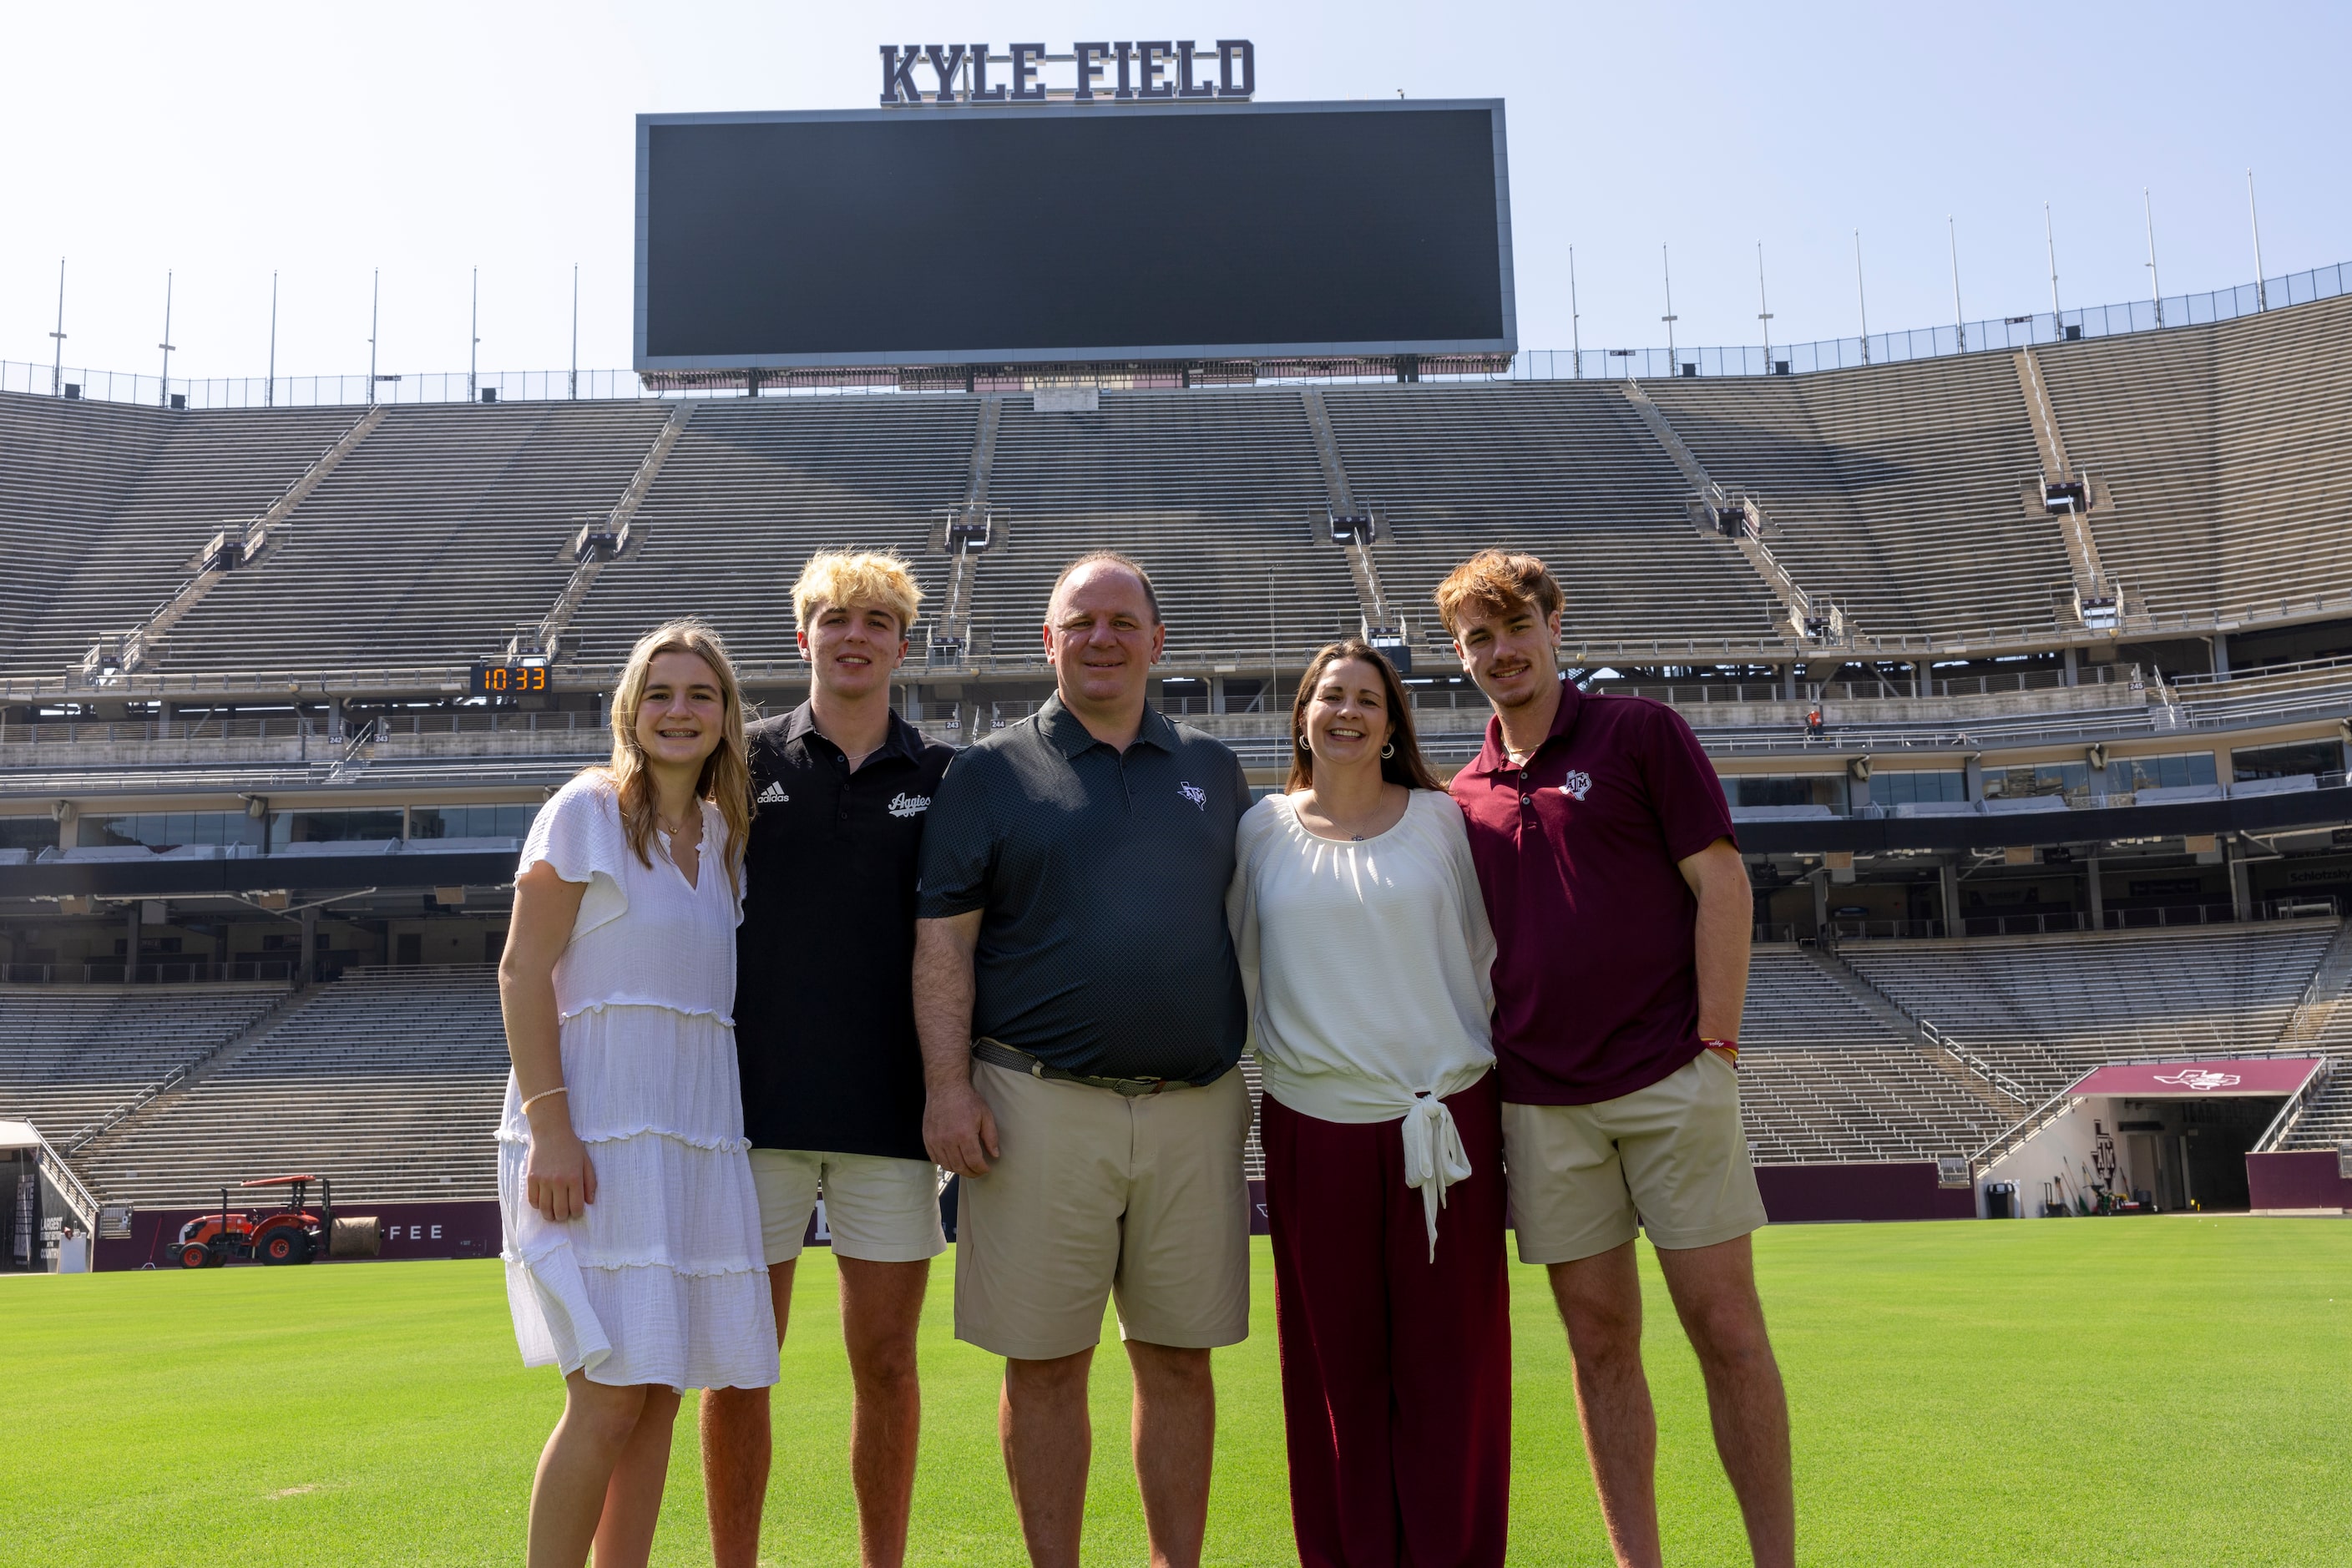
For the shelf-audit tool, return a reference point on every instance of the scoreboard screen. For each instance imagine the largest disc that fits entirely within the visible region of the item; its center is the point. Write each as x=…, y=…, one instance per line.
x=976, y=234
x=512, y=680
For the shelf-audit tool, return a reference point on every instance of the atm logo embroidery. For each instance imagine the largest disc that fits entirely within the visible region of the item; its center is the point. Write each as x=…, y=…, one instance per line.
x=1195, y=793
x=1577, y=784
x=2199, y=1078
x=904, y=804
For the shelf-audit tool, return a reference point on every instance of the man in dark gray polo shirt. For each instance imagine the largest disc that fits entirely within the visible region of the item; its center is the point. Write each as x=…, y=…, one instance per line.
x=1081, y=1013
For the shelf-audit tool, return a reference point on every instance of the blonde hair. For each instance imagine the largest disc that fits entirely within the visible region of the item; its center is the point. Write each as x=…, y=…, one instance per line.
x=726, y=772
x=842, y=577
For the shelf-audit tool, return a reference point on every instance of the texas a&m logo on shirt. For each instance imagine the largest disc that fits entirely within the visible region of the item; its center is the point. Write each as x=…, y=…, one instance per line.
x=1577, y=786
x=905, y=805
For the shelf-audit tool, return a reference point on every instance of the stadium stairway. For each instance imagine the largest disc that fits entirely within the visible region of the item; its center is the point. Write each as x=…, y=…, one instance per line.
x=72, y=1056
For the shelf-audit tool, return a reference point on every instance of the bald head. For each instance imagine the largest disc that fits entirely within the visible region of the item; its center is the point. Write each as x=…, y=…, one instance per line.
x=1094, y=563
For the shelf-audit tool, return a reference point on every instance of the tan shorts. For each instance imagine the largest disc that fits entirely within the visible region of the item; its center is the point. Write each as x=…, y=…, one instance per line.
x=1671, y=1159
x=1099, y=1195
x=875, y=1208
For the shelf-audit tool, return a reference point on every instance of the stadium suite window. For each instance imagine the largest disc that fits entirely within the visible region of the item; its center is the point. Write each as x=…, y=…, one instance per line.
x=2312, y=757
x=2162, y=772
x=160, y=830
x=1785, y=789
x=332, y=828
x=2070, y=779
x=469, y=820
x=34, y=833
x=1917, y=785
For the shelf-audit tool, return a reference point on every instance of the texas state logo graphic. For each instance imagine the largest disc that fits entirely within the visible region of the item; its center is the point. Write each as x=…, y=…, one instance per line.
x=2201, y=1079
x=1578, y=786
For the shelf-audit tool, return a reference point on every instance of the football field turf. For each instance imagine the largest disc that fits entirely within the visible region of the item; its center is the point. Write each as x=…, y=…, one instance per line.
x=2154, y=1391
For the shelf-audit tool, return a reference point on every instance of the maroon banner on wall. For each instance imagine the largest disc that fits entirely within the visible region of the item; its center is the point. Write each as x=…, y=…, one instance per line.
x=463, y=1229
x=1887, y=1190
x=2305, y=1180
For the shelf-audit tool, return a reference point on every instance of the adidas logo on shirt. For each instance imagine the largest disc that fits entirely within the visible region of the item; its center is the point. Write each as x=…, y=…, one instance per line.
x=774, y=796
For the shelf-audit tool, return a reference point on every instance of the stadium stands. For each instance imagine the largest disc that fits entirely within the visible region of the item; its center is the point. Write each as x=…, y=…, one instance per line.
x=1561, y=469
x=388, y=1081
x=1894, y=489
x=2220, y=448
x=70, y=1054
x=2045, y=1009
x=1820, y=1078
x=65, y=470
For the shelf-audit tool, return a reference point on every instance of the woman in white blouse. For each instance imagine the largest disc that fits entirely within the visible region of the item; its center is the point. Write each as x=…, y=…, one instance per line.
x=632, y=1228
x=1365, y=948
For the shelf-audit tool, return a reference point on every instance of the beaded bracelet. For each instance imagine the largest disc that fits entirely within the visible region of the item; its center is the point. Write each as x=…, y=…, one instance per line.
x=543, y=1094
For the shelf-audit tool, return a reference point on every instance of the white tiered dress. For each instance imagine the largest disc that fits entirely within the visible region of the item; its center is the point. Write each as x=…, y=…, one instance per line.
x=661, y=1281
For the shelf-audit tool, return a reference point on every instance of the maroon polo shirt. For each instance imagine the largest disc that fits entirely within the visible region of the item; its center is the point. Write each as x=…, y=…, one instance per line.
x=1596, y=981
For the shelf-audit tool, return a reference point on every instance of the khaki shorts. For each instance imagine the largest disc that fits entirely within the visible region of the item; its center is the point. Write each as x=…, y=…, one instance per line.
x=877, y=1208
x=1099, y=1195
x=1671, y=1159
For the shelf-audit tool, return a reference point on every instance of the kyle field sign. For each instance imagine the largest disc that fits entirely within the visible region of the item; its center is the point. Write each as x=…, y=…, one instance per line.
x=1152, y=70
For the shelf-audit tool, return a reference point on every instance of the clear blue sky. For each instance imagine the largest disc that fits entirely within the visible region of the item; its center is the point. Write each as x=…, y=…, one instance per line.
x=320, y=141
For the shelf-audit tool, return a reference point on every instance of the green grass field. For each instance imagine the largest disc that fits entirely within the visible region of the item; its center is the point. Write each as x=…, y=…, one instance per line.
x=2167, y=1390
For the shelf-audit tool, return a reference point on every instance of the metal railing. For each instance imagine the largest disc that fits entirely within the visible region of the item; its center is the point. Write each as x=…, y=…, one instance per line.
x=1997, y=334
x=150, y=972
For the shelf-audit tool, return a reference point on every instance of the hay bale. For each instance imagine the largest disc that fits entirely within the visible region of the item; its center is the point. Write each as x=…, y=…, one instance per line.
x=356, y=1235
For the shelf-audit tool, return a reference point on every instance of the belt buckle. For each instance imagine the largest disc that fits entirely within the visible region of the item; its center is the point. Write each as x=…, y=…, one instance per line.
x=1139, y=1088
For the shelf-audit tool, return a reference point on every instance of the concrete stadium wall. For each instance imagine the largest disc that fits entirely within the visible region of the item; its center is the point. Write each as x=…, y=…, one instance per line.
x=2307, y=1180
x=1887, y=1190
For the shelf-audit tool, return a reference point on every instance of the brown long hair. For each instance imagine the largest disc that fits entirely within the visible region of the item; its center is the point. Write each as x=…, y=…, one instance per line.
x=1406, y=766
x=726, y=772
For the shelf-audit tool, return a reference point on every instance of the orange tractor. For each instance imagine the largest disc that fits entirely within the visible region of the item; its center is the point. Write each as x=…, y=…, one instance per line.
x=289, y=1234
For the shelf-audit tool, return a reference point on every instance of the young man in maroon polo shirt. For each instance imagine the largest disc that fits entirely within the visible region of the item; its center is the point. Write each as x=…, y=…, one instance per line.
x=1622, y=916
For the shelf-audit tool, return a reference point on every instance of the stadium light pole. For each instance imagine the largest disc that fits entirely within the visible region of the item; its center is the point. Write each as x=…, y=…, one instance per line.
x=1861, y=297
x=1666, y=266
x=58, y=360
x=270, y=387
x=1763, y=308
x=2050, y=240
x=1959, y=317
x=2155, y=280
x=474, y=338
x=576, y=330
x=376, y=298
x=163, y=398
x=2262, y=290
x=1575, y=322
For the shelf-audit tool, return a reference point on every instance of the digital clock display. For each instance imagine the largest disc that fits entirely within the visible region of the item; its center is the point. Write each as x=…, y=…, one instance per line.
x=507, y=679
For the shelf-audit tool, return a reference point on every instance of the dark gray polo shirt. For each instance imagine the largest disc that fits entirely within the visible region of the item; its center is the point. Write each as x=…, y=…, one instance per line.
x=1104, y=948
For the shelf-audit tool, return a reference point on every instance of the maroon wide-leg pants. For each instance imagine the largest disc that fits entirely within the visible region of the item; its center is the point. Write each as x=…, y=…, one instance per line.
x=1396, y=1371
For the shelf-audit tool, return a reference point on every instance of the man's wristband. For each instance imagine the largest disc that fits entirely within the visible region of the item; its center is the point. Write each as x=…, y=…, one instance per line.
x=1729, y=1047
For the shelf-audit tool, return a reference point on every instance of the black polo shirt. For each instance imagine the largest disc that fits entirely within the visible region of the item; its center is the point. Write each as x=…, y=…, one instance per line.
x=825, y=1009
x=1104, y=948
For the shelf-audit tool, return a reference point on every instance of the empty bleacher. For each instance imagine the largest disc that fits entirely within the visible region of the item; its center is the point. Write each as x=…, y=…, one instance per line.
x=1564, y=470
x=70, y=1054
x=435, y=539
x=388, y=1081
x=1821, y=1078
x=1895, y=490
x=2043, y=1010
x=1215, y=492
x=65, y=470
x=2227, y=453
x=754, y=487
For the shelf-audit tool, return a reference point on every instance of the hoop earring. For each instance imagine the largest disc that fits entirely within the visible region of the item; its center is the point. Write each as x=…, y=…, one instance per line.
x=1302, y=742
x=1389, y=750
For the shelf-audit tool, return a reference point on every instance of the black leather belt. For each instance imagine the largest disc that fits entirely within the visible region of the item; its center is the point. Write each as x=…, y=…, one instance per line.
x=996, y=1053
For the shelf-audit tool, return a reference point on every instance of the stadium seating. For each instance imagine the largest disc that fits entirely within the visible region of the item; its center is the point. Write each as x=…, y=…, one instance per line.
x=2222, y=449
x=388, y=1081
x=1895, y=490
x=1820, y=1078
x=2046, y=1009
x=1562, y=468
x=1215, y=492
x=70, y=1054
x=753, y=488
x=65, y=470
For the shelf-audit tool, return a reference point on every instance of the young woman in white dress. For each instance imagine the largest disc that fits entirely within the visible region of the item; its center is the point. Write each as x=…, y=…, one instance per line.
x=632, y=1241
x=1365, y=949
